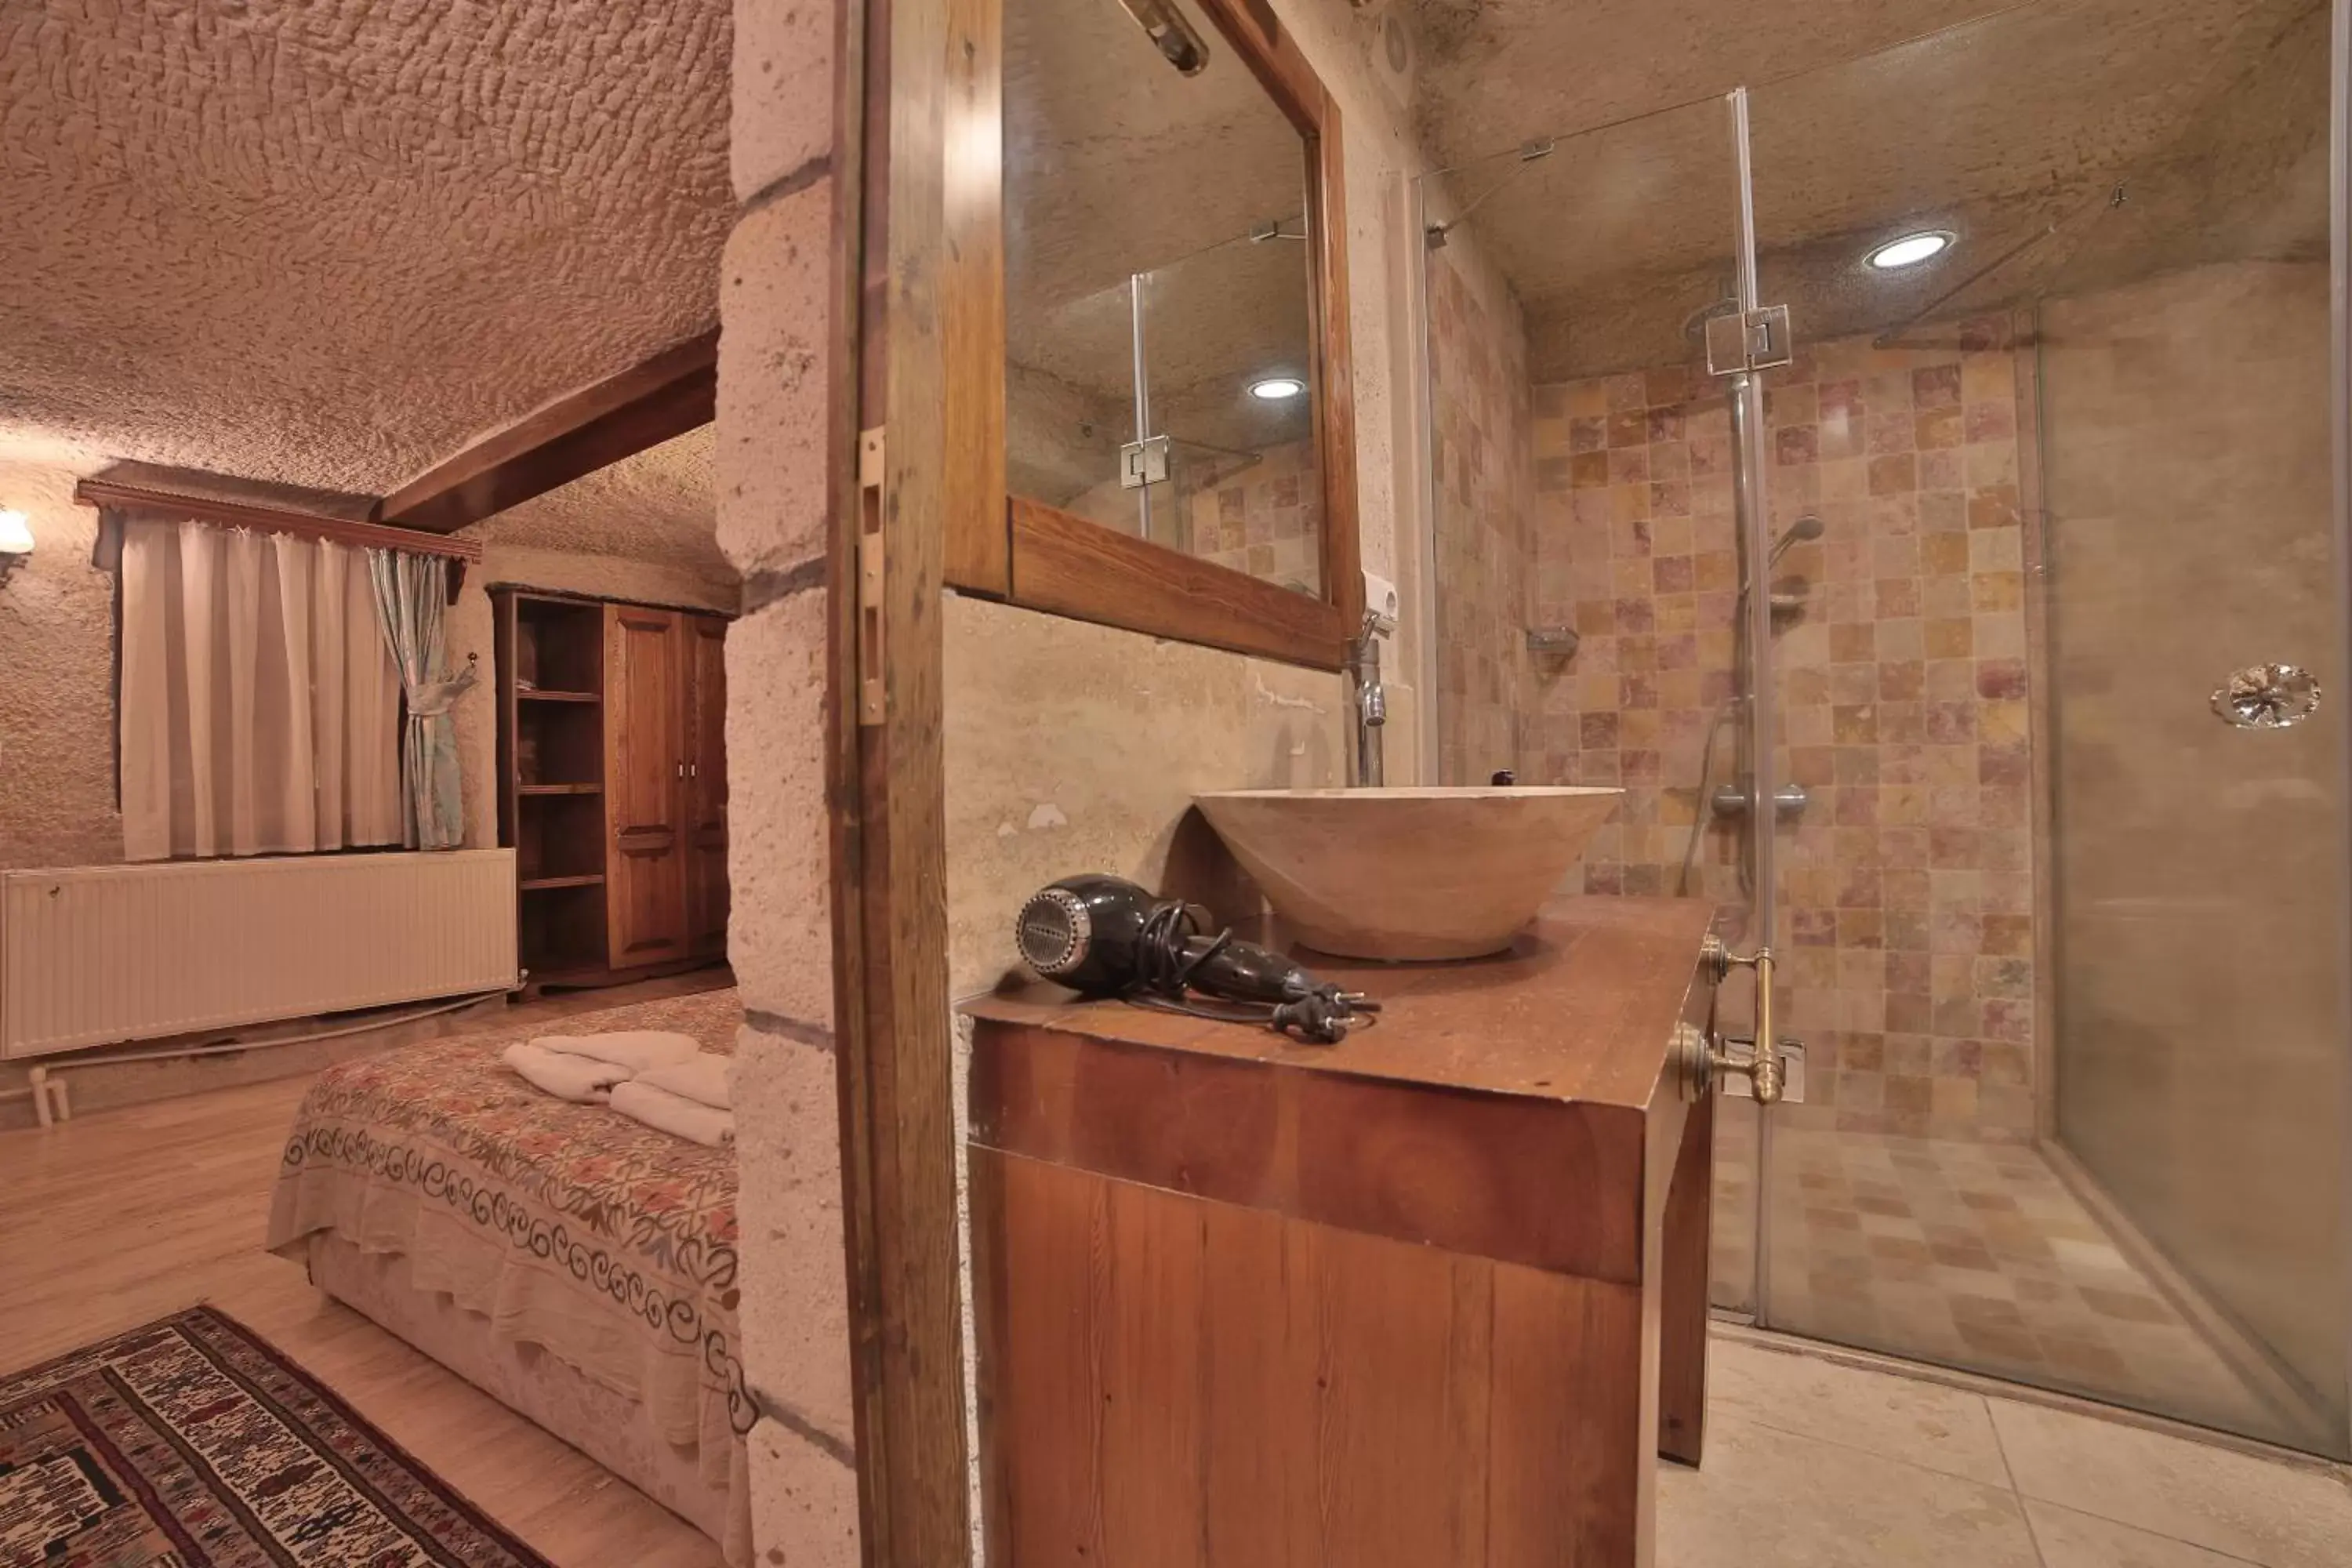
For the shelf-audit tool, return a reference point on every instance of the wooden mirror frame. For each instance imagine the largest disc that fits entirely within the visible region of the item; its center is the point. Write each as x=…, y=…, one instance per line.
x=1025, y=552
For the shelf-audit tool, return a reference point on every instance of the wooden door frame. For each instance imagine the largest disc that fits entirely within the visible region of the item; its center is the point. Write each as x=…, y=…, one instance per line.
x=893, y=1037
x=912, y=465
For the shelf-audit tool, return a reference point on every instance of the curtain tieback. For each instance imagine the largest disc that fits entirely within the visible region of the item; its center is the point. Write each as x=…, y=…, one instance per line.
x=432, y=699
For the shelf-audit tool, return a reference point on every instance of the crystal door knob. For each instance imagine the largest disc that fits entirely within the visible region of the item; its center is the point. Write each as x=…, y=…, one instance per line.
x=2267, y=697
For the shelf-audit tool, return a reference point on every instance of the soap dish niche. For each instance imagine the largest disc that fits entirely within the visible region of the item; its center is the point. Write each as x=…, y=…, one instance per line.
x=1553, y=642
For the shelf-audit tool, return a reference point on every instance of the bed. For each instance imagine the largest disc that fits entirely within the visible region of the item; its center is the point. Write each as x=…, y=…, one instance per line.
x=574, y=1264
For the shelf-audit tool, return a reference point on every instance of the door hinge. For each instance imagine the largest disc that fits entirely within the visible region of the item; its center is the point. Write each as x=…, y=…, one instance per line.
x=1142, y=463
x=870, y=579
x=1749, y=340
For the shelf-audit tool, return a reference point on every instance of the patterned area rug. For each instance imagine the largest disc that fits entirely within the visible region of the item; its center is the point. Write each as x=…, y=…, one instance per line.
x=191, y=1443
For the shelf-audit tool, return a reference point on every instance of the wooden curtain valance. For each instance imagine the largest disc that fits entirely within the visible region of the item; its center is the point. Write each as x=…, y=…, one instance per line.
x=106, y=493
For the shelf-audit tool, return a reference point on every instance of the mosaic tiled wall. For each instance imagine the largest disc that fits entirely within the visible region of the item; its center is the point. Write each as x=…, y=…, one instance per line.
x=1480, y=408
x=1908, y=884
x=1264, y=517
x=1266, y=520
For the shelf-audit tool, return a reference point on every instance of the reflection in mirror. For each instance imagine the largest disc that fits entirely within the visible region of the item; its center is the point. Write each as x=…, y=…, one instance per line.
x=1160, y=342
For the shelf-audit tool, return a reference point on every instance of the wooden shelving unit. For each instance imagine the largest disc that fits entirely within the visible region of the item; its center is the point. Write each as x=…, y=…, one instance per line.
x=551, y=763
x=611, y=774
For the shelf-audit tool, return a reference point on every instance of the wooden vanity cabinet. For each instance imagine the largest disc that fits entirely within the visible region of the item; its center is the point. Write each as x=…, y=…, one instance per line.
x=1436, y=1295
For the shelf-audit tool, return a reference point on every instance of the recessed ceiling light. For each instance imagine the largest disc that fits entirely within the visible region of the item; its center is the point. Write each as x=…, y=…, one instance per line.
x=1911, y=249
x=1278, y=388
x=15, y=543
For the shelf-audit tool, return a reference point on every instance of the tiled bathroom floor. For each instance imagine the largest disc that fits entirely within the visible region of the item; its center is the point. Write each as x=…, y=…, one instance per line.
x=1975, y=1256
x=1810, y=1464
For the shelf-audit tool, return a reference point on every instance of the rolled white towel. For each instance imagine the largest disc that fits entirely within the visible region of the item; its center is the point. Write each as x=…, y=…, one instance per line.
x=636, y=1049
x=575, y=1079
x=675, y=1114
x=701, y=1078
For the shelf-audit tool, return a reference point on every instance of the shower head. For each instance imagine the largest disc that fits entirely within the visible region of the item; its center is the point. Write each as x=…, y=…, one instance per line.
x=1807, y=527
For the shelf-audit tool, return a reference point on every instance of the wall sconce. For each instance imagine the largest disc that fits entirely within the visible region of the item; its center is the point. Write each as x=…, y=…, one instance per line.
x=16, y=543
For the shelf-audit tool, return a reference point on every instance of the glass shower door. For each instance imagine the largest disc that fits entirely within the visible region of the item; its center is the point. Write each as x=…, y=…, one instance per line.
x=1070, y=407
x=1580, y=488
x=2064, y=909
x=2197, y=564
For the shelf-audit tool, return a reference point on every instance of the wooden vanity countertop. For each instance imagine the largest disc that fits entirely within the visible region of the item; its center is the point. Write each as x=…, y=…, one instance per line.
x=1581, y=1010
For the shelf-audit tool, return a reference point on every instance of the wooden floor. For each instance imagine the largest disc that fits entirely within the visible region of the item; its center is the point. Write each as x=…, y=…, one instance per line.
x=122, y=1216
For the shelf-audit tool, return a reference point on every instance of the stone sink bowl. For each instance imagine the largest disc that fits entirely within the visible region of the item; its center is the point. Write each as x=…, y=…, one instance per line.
x=1422, y=873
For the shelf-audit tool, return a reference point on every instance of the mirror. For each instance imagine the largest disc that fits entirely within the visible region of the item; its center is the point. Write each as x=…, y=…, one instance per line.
x=1162, y=362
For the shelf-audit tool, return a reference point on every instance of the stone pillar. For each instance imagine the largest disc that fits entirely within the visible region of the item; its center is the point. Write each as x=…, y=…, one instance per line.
x=773, y=376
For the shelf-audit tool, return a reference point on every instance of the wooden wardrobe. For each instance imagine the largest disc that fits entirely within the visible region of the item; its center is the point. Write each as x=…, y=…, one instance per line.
x=612, y=784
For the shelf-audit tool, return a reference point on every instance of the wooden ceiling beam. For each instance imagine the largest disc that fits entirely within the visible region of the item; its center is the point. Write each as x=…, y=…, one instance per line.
x=619, y=416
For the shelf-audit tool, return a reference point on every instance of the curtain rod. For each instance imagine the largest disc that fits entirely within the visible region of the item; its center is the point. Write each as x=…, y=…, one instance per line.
x=237, y=515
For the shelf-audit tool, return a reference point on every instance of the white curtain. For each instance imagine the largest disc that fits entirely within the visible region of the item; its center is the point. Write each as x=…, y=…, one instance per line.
x=259, y=712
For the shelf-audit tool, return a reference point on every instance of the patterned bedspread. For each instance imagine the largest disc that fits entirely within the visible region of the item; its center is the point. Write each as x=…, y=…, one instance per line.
x=608, y=1244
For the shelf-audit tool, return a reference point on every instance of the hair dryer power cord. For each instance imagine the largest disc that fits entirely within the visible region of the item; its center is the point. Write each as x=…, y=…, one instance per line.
x=1167, y=967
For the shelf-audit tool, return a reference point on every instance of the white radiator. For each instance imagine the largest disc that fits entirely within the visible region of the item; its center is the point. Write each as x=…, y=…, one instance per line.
x=90, y=955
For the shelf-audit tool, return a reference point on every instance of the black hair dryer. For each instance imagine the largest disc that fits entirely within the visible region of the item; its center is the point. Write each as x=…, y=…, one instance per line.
x=1104, y=936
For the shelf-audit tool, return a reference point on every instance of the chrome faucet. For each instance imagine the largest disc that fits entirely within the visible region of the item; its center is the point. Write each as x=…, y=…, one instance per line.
x=1370, y=699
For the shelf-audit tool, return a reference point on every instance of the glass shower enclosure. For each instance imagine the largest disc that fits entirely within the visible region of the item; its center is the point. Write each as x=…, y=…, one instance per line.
x=2006, y=578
